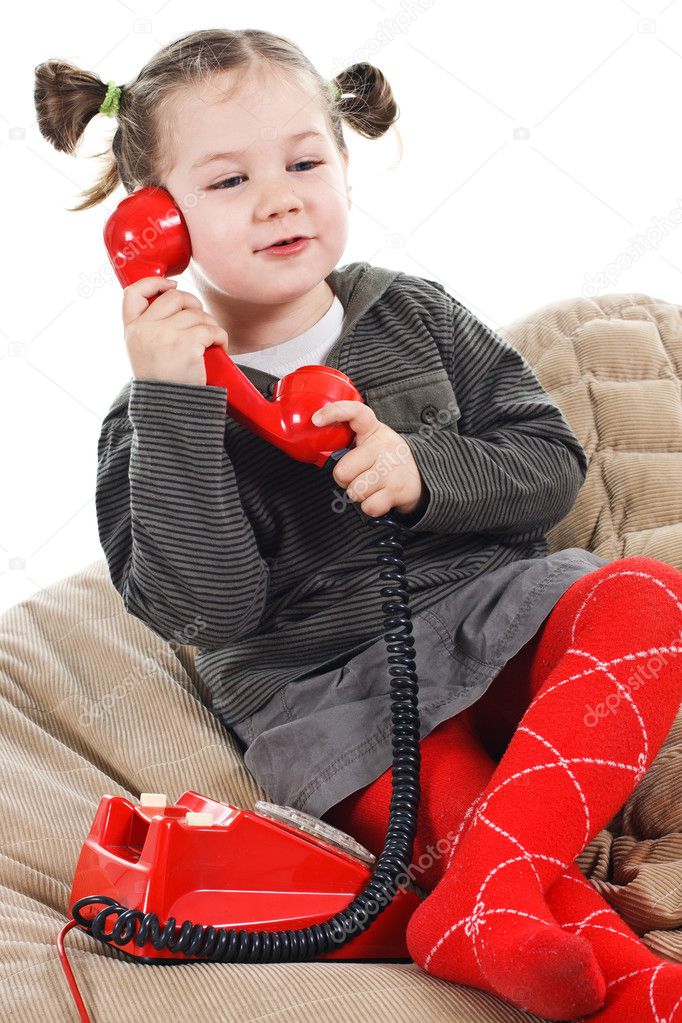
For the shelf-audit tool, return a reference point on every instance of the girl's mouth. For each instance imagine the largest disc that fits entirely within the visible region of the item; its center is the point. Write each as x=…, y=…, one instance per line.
x=287, y=248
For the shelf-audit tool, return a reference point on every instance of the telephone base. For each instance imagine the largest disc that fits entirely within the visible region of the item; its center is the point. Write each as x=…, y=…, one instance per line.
x=215, y=864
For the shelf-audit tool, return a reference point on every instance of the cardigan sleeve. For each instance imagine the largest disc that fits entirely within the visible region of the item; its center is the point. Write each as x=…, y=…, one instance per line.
x=513, y=464
x=180, y=549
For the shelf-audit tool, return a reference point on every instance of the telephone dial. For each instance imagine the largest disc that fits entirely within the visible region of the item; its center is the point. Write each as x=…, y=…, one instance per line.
x=274, y=884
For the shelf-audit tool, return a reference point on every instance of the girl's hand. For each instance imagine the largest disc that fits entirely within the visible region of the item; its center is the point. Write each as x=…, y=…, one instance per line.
x=167, y=338
x=380, y=471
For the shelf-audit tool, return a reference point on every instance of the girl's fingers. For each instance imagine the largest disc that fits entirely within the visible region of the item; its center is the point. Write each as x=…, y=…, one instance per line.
x=378, y=504
x=136, y=296
x=358, y=415
x=354, y=462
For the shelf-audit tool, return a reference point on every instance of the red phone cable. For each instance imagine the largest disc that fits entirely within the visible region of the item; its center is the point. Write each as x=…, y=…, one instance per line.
x=80, y=1005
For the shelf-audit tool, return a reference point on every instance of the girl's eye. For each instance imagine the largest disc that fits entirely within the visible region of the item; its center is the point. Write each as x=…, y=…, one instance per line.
x=228, y=181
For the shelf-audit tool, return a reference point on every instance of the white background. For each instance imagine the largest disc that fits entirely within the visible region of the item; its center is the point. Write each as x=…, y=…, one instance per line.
x=541, y=148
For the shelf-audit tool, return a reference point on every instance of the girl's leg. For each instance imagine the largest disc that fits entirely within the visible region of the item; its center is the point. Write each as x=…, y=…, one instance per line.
x=455, y=770
x=606, y=681
x=639, y=985
x=457, y=761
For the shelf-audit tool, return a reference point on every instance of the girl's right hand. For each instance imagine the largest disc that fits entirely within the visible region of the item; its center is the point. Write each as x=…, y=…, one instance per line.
x=166, y=339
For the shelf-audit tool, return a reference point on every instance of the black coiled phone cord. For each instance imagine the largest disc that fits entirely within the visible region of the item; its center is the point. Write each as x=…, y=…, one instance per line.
x=241, y=946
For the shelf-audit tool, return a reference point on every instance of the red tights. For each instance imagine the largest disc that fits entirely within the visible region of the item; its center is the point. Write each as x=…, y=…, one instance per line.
x=513, y=789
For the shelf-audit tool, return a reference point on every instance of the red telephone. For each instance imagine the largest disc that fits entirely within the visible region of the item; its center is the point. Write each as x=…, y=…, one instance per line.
x=276, y=867
x=217, y=864
x=146, y=236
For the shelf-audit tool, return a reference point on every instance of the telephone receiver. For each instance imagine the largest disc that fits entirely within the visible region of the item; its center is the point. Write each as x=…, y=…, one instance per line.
x=147, y=236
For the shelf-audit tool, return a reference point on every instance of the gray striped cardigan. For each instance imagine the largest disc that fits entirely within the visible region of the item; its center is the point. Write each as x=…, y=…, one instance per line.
x=215, y=538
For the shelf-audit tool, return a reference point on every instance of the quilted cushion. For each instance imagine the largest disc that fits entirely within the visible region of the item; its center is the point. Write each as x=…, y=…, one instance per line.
x=613, y=365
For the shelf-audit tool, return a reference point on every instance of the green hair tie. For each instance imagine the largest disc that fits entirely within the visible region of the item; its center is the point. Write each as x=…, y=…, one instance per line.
x=336, y=91
x=110, y=102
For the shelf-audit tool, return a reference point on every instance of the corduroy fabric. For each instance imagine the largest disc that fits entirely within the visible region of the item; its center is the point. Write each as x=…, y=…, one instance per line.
x=94, y=702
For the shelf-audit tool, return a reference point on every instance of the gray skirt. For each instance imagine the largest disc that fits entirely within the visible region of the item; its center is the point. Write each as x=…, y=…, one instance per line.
x=321, y=738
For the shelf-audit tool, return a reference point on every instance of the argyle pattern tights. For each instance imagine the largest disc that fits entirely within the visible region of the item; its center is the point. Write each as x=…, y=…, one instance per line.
x=516, y=786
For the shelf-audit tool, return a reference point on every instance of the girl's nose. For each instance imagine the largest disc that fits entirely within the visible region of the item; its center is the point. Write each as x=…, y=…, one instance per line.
x=278, y=201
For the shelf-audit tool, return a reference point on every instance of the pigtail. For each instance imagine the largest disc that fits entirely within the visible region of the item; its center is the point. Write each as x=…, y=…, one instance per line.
x=66, y=99
x=365, y=101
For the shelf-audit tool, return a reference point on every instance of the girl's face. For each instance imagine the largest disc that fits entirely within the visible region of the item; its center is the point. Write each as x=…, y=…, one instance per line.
x=273, y=186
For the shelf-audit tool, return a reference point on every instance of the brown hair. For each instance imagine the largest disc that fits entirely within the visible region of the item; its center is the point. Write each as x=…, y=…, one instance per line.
x=66, y=98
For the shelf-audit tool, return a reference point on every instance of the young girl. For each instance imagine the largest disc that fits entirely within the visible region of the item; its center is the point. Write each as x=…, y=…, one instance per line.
x=211, y=532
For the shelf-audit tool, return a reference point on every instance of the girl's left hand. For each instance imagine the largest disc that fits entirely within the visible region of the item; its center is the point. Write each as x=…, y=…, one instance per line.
x=380, y=471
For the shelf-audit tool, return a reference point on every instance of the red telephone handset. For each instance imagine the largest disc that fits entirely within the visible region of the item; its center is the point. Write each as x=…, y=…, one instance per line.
x=147, y=236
